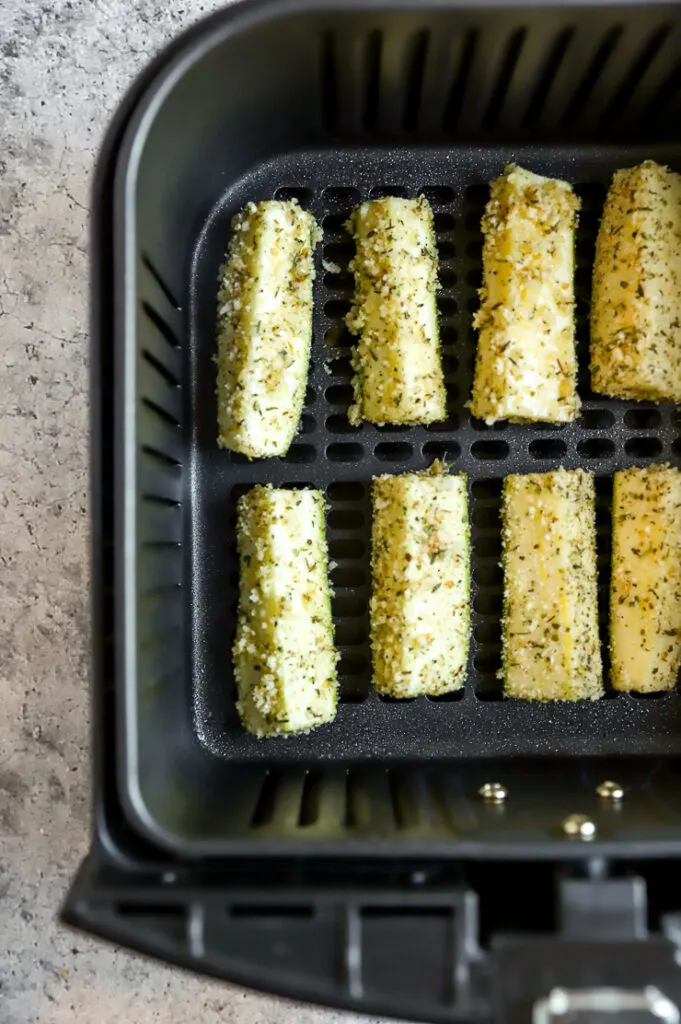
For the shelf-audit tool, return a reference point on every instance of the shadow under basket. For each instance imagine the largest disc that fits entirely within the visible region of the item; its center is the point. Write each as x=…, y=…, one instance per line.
x=335, y=103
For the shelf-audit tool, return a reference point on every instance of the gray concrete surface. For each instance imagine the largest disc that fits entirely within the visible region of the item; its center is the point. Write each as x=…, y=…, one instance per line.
x=63, y=66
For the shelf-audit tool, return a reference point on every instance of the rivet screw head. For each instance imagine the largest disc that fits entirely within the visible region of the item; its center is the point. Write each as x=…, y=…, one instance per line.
x=493, y=793
x=579, y=826
x=610, y=790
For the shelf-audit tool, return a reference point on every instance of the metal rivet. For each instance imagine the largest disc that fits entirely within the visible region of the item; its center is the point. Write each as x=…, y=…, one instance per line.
x=579, y=826
x=610, y=790
x=493, y=793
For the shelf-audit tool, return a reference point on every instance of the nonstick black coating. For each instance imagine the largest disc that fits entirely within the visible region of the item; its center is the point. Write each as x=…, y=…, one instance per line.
x=332, y=455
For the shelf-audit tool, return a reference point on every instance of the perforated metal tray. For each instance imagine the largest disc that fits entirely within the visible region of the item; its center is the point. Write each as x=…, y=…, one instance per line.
x=340, y=459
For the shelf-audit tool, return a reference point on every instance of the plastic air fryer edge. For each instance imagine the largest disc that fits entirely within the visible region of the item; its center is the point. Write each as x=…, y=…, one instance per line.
x=359, y=867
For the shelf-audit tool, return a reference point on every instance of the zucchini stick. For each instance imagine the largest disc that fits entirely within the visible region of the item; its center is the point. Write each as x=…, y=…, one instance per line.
x=265, y=327
x=284, y=656
x=636, y=302
x=551, y=648
x=398, y=374
x=526, y=366
x=645, y=588
x=420, y=606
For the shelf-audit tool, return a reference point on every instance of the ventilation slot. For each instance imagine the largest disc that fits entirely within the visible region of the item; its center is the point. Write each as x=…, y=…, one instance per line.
x=501, y=89
x=416, y=65
x=454, y=104
x=160, y=456
x=642, y=419
x=157, y=410
x=578, y=103
x=274, y=911
x=160, y=282
x=160, y=324
x=328, y=84
x=169, y=911
x=310, y=800
x=157, y=365
x=267, y=800
x=618, y=104
x=372, y=58
x=393, y=451
x=547, y=448
x=643, y=447
x=536, y=105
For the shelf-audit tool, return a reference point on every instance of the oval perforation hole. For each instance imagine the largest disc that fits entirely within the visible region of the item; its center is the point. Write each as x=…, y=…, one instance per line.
x=444, y=222
x=349, y=666
x=487, y=633
x=592, y=194
x=596, y=419
x=298, y=453
x=338, y=336
x=345, y=547
x=350, y=606
x=392, y=428
x=657, y=695
x=310, y=395
x=447, y=450
x=488, y=659
x=486, y=516
x=489, y=687
x=393, y=451
x=345, y=490
x=381, y=191
x=307, y=423
x=347, y=576
x=477, y=195
x=345, y=519
x=447, y=306
x=339, y=282
x=446, y=251
x=448, y=698
x=349, y=634
x=288, y=192
x=336, y=309
x=294, y=485
x=339, y=195
x=489, y=602
x=488, y=576
x=339, y=252
x=447, y=278
x=341, y=368
x=450, y=423
x=437, y=195
x=474, y=249
x=335, y=224
x=547, y=448
x=481, y=427
x=450, y=363
x=344, y=452
x=488, y=489
x=339, y=394
x=489, y=450
x=596, y=448
x=643, y=447
x=642, y=419
x=488, y=545
x=339, y=424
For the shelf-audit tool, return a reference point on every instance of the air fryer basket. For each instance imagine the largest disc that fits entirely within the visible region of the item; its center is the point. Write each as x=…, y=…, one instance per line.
x=335, y=102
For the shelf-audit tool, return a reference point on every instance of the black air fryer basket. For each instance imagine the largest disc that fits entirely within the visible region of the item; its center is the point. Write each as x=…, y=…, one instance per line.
x=359, y=865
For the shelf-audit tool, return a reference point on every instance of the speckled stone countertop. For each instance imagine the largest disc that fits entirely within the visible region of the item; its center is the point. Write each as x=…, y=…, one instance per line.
x=64, y=65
